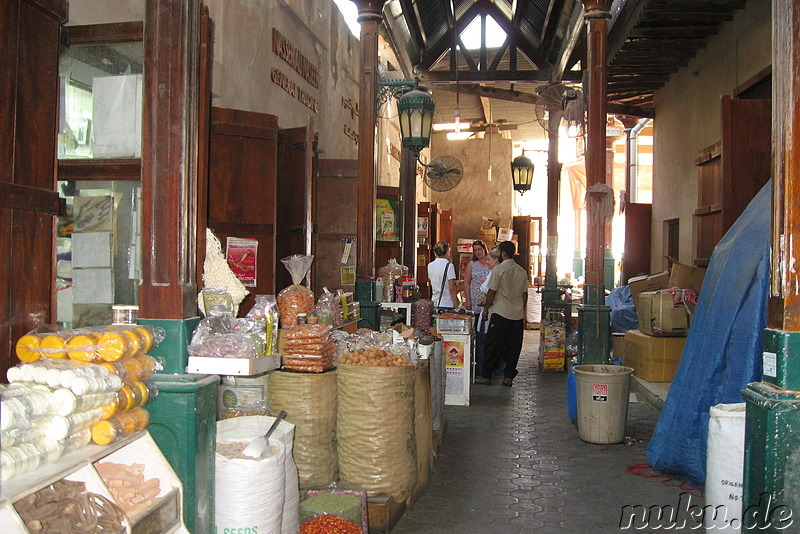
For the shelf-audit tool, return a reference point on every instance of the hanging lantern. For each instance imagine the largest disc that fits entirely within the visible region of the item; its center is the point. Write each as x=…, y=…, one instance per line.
x=522, y=173
x=415, y=110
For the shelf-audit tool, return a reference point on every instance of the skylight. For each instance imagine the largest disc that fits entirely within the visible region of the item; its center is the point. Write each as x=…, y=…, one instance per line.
x=350, y=14
x=471, y=36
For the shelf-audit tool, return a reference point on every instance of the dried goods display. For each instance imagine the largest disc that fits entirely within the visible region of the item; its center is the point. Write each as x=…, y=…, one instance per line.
x=66, y=507
x=221, y=335
x=335, y=500
x=265, y=311
x=128, y=486
x=107, y=343
x=390, y=273
x=329, y=524
x=295, y=299
x=309, y=348
x=376, y=357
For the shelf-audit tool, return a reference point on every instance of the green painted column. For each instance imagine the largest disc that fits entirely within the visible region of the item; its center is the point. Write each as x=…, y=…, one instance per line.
x=577, y=264
x=608, y=268
x=594, y=328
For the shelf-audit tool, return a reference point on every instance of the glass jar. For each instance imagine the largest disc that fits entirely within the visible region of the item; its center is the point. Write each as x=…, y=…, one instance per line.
x=121, y=425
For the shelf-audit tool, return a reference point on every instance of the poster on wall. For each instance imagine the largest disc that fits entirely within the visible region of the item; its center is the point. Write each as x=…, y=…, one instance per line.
x=241, y=255
x=422, y=227
x=386, y=219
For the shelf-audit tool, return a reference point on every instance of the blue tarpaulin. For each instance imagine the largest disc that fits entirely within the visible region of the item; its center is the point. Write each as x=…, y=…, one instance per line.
x=724, y=346
x=623, y=313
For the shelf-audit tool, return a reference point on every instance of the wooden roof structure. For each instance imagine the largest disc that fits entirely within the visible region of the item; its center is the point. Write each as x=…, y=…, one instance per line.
x=545, y=43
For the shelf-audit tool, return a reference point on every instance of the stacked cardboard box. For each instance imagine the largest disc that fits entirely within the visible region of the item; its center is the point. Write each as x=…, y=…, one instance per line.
x=663, y=304
x=652, y=358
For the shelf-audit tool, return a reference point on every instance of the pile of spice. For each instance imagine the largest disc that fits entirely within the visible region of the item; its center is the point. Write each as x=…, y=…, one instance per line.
x=128, y=486
x=329, y=524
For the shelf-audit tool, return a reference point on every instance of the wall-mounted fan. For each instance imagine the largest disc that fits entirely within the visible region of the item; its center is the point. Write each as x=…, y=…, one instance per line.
x=564, y=103
x=444, y=173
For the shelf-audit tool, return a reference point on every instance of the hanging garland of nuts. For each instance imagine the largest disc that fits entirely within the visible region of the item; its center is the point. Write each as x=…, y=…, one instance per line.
x=66, y=507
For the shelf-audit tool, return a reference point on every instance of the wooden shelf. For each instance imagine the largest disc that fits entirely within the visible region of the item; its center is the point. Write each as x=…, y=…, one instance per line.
x=79, y=465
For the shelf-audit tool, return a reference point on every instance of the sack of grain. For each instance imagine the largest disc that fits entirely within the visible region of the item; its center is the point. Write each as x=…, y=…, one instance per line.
x=375, y=429
x=310, y=403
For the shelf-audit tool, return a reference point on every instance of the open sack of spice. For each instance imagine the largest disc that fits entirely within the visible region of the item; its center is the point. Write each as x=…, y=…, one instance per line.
x=221, y=335
x=296, y=298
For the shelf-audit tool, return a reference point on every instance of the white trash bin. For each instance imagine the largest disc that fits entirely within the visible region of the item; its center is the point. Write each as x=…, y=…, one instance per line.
x=602, y=392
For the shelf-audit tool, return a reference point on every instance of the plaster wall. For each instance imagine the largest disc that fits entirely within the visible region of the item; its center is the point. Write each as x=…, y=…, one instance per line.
x=244, y=63
x=105, y=12
x=475, y=196
x=688, y=119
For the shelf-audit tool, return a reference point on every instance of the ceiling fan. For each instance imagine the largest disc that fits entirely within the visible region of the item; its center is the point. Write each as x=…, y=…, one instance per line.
x=444, y=173
x=566, y=103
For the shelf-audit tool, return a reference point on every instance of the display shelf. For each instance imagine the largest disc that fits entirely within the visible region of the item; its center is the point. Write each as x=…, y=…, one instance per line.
x=165, y=515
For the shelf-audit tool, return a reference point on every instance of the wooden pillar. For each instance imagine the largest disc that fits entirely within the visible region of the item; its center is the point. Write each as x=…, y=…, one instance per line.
x=408, y=198
x=597, y=16
x=169, y=159
x=369, y=16
x=551, y=291
x=784, y=303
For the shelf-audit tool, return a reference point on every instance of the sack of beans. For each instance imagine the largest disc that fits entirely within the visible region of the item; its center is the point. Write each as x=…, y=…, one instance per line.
x=310, y=403
x=375, y=422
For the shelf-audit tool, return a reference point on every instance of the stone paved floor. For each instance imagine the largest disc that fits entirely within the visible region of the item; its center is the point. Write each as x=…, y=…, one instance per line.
x=512, y=463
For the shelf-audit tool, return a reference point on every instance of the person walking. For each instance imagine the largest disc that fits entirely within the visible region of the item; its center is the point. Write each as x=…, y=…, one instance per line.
x=507, y=297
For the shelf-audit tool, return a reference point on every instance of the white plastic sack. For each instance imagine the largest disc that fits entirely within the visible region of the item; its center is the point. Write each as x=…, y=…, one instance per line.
x=252, y=426
x=249, y=493
x=725, y=467
x=533, y=313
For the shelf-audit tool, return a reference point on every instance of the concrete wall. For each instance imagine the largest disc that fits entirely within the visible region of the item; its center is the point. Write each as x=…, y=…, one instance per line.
x=688, y=118
x=244, y=61
x=475, y=196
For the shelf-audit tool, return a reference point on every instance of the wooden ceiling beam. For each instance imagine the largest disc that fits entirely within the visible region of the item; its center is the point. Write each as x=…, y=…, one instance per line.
x=671, y=18
x=673, y=32
x=542, y=76
x=414, y=22
x=694, y=5
x=665, y=44
x=633, y=111
x=491, y=92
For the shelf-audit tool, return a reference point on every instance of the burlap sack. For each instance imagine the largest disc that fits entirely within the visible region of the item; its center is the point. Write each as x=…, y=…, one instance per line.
x=375, y=429
x=310, y=403
x=423, y=428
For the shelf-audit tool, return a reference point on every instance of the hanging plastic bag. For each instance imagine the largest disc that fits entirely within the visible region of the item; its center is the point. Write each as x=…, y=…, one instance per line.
x=296, y=298
x=266, y=312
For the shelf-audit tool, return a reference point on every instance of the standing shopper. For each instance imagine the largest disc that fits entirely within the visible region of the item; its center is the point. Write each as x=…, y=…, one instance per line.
x=442, y=275
x=507, y=296
x=482, y=325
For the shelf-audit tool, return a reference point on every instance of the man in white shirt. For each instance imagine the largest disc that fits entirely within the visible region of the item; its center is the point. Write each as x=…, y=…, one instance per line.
x=507, y=296
x=442, y=274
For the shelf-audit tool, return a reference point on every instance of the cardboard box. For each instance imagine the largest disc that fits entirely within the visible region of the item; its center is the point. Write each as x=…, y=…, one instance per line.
x=454, y=325
x=686, y=277
x=660, y=315
x=504, y=234
x=652, y=282
x=464, y=245
x=487, y=234
x=618, y=344
x=654, y=359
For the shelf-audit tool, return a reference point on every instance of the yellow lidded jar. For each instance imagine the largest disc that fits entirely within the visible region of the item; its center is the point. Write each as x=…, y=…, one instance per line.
x=28, y=348
x=111, y=346
x=135, y=340
x=54, y=346
x=82, y=347
x=147, y=336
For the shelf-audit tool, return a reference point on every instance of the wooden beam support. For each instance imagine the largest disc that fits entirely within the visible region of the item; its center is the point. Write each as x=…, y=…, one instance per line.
x=542, y=76
x=369, y=16
x=784, y=302
x=169, y=159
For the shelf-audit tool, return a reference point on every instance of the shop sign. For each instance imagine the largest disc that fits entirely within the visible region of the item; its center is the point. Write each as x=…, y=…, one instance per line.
x=286, y=50
x=293, y=89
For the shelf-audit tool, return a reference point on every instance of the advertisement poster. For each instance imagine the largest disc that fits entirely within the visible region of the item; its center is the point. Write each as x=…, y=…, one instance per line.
x=241, y=255
x=422, y=226
x=386, y=219
x=454, y=357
